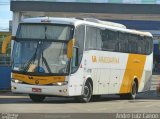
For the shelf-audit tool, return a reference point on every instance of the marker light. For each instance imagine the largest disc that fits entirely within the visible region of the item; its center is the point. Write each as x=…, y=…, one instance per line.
x=16, y=81
x=60, y=83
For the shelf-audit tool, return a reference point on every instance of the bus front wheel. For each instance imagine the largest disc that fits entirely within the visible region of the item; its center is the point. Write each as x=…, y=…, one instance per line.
x=87, y=93
x=36, y=98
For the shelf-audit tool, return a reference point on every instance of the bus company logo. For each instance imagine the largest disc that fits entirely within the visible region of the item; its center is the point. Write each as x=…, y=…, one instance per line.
x=37, y=82
x=102, y=59
x=94, y=59
x=112, y=60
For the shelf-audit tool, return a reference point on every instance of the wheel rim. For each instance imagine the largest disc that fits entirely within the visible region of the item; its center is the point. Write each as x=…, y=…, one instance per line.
x=134, y=91
x=86, y=91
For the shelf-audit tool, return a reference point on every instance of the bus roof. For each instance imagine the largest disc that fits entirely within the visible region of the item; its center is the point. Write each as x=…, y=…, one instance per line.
x=94, y=22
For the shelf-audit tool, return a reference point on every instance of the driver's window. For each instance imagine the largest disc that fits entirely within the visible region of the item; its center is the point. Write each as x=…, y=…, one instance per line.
x=78, y=48
x=75, y=57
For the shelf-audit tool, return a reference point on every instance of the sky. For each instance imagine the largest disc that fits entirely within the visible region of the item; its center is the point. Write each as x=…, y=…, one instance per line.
x=5, y=15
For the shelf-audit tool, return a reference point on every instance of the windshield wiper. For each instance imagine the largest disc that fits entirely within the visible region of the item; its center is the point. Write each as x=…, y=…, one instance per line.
x=43, y=58
x=31, y=60
x=46, y=63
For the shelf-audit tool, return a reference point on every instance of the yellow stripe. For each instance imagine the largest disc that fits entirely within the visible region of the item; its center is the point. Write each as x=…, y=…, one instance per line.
x=41, y=80
x=134, y=68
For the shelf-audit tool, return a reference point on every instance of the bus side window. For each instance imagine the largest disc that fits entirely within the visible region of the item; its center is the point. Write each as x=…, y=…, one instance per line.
x=79, y=37
x=123, y=42
x=133, y=43
x=75, y=59
x=141, y=45
x=99, y=39
x=90, y=38
x=93, y=38
x=110, y=40
x=78, y=48
x=149, y=45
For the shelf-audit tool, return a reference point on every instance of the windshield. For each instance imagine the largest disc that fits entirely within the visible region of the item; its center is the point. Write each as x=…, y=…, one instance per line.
x=41, y=53
x=44, y=31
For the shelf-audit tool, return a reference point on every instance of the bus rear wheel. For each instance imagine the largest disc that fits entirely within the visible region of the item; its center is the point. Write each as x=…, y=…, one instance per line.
x=87, y=93
x=36, y=98
x=134, y=91
x=132, y=94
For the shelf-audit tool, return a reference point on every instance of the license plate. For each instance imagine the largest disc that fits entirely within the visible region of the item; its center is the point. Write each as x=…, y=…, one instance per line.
x=36, y=90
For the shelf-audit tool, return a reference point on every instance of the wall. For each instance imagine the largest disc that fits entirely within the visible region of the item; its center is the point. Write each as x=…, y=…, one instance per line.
x=5, y=69
x=5, y=77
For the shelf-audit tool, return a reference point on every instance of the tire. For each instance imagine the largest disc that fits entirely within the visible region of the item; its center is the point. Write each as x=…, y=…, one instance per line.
x=132, y=94
x=36, y=98
x=87, y=93
x=134, y=91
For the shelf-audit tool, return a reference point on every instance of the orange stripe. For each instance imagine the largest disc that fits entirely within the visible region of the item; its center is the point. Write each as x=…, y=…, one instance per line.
x=134, y=68
x=42, y=80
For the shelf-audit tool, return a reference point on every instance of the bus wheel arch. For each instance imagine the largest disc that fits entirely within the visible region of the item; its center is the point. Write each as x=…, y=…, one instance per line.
x=133, y=91
x=87, y=91
x=90, y=80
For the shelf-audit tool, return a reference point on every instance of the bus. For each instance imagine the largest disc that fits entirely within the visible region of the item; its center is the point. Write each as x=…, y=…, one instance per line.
x=82, y=58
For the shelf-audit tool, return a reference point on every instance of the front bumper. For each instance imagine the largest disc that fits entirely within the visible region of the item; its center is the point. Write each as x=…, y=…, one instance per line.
x=45, y=90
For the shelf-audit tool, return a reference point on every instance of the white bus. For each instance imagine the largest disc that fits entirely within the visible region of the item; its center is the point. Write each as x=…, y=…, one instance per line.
x=81, y=58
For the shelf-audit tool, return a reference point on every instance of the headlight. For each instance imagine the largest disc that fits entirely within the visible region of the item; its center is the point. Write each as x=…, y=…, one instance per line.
x=60, y=83
x=16, y=81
